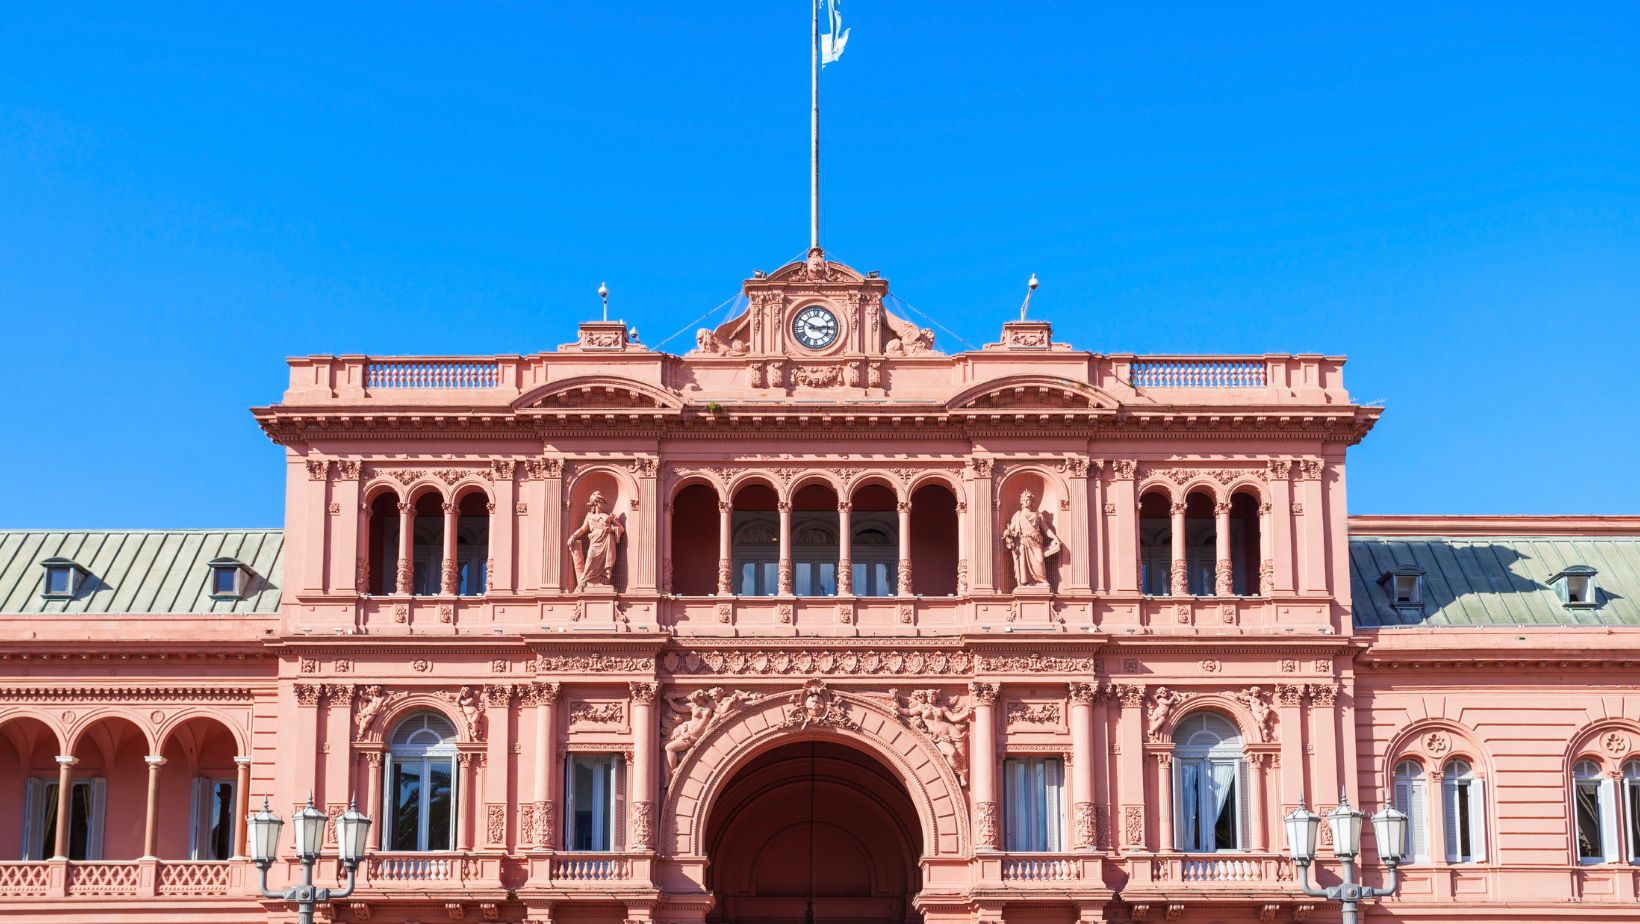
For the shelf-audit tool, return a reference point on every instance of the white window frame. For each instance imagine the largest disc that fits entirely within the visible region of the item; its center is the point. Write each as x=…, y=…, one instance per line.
x=1586, y=775
x=425, y=757
x=1409, y=790
x=199, y=828
x=883, y=558
x=1463, y=812
x=1034, y=804
x=1631, y=806
x=608, y=802
x=1208, y=754
x=40, y=792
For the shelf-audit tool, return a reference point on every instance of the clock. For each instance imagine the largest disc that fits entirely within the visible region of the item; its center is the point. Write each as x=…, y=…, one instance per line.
x=815, y=327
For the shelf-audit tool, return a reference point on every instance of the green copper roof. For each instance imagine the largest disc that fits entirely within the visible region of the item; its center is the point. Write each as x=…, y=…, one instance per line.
x=140, y=570
x=1495, y=580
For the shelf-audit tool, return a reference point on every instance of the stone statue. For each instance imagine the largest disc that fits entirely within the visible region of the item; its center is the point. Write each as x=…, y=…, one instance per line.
x=595, y=558
x=467, y=700
x=1161, y=705
x=699, y=708
x=371, y=701
x=1031, y=541
x=1263, y=714
x=947, y=726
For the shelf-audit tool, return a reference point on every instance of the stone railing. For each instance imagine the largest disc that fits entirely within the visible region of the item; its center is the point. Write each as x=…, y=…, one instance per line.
x=195, y=877
x=1042, y=868
x=1232, y=869
x=380, y=869
x=104, y=878
x=1159, y=372
x=590, y=867
x=28, y=879
x=431, y=373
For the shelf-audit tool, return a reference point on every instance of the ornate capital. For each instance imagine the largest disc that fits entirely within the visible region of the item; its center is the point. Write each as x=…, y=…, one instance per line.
x=985, y=694
x=1084, y=694
x=643, y=693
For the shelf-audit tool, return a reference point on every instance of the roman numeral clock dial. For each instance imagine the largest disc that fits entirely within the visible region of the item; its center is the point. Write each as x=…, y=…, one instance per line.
x=815, y=327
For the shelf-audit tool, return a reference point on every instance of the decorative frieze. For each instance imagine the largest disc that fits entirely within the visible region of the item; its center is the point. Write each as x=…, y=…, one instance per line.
x=804, y=661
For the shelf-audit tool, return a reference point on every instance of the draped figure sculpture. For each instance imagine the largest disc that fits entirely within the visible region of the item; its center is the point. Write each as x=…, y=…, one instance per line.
x=1031, y=542
x=594, y=544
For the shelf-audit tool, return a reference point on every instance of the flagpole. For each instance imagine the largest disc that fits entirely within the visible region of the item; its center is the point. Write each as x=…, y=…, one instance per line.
x=814, y=136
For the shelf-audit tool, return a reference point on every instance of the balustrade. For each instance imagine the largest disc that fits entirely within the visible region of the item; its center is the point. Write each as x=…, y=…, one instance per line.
x=1041, y=869
x=104, y=878
x=431, y=373
x=1199, y=373
x=591, y=867
x=28, y=879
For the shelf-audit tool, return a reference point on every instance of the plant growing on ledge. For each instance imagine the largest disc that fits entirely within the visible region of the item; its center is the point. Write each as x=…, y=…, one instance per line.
x=712, y=407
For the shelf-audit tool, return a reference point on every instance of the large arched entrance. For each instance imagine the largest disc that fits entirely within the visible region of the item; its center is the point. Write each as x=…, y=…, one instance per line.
x=820, y=806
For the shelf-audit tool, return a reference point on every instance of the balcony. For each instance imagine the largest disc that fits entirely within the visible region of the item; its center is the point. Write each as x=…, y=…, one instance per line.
x=1015, y=875
x=1183, y=876
x=124, y=879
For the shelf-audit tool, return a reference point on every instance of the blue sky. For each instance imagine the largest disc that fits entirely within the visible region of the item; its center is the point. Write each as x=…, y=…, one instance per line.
x=1450, y=195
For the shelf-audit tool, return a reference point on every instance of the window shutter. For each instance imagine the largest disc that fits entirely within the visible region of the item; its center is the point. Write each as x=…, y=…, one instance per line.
x=1181, y=825
x=1449, y=817
x=1245, y=808
x=569, y=804
x=33, y=817
x=1608, y=821
x=1629, y=809
x=617, y=821
x=1418, y=810
x=1477, y=819
x=198, y=818
x=94, y=837
x=386, y=832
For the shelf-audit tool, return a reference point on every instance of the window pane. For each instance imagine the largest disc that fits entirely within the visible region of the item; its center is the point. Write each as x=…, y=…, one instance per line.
x=79, y=832
x=56, y=580
x=406, y=806
x=440, y=805
x=802, y=578
x=1190, y=791
x=828, y=579
x=748, y=579
x=223, y=580
x=1588, y=820
x=220, y=841
x=1465, y=854
x=594, y=781
x=1633, y=786
x=1226, y=806
x=46, y=846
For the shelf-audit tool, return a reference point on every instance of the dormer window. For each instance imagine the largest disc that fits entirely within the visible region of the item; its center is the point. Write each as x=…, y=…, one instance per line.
x=63, y=579
x=1576, y=586
x=230, y=579
x=1405, y=585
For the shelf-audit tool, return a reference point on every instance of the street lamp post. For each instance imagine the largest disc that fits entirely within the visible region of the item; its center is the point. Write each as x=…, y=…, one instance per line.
x=1389, y=830
x=352, y=833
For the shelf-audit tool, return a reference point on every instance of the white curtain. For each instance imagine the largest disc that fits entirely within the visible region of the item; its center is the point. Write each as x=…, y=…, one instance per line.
x=1189, y=817
x=1223, y=781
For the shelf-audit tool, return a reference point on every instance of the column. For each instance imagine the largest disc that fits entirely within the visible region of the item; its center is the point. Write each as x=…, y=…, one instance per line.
x=1124, y=531
x=845, y=548
x=905, y=588
x=965, y=536
x=1313, y=554
x=1279, y=537
x=448, y=576
x=1082, y=820
x=1181, y=574
x=1223, y=571
x=468, y=799
x=1257, y=810
x=1080, y=526
x=503, y=522
x=242, y=805
x=1324, y=741
x=150, y=824
x=305, y=556
x=407, y=528
x=65, y=785
x=347, y=547
x=1290, y=712
x=726, y=562
x=785, y=548
x=546, y=724
x=641, y=547
x=982, y=769
x=1164, y=800
x=498, y=748
x=981, y=550
x=644, y=730
x=374, y=804
x=552, y=524
x=1130, y=768
x=1099, y=716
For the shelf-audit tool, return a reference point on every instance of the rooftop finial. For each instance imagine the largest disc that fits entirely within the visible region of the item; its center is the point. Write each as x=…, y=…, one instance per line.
x=1029, y=288
x=603, y=293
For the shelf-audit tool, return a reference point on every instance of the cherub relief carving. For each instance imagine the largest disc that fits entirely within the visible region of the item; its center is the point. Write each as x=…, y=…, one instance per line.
x=371, y=701
x=594, y=545
x=700, y=708
x=1162, y=703
x=1263, y=714
x=1032, y=541
x=468, y=700
x=947, y=726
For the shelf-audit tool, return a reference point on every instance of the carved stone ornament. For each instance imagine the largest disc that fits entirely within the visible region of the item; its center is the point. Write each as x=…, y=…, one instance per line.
x=371, y=700
x=815, y=705
x=1021, y=713
x=830, y=661
x=595, y=544
x=1033, y=664
x=696, y=712
x=1437, y=743
x=582, y=712
x=1083, y=826
x=643, y=825
x=1263, y=714
x=469, y=701
x=1133, y=825
x=945, y=723
x=985, y=826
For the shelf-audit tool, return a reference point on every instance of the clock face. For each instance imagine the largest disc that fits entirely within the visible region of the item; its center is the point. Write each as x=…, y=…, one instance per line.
x=815, y=327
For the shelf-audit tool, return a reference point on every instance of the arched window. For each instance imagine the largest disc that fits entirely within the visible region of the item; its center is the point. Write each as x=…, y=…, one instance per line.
x=473, y=544
x=875, y=546
x=1208, y=782
x=814, y=541
x=1155, y=545
x=1201, y=532
x=1410, y=796
x=695, y=541
x=419, y=808
x=382, y=535
x=1463, y=812
x=1246, y=550
x=427, y=544
x=755, y=531
x=934, y=551
x=1594, y=814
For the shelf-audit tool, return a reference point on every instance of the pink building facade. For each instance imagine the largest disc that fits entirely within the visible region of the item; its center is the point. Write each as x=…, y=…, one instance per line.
x=819, y=612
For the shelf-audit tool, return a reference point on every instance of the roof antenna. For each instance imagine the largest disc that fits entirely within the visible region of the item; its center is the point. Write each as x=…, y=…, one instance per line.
x=603, y=293
x=1029, y=288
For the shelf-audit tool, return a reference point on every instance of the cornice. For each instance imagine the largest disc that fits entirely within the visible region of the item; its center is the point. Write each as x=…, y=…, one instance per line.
x=116, y=693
